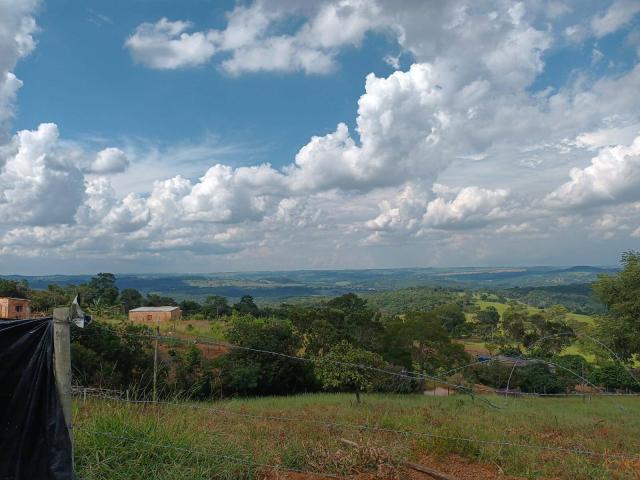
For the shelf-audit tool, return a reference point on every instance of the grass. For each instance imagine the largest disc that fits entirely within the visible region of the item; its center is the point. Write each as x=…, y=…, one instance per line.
x=211, y=329
x=231, y=446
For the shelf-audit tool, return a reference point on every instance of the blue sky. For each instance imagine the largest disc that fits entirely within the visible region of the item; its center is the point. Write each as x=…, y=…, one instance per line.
x=200, y=136
x=82, y=78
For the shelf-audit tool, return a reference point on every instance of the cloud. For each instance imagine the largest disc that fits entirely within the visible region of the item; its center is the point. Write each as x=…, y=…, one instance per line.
x=109, y=160
x=619, y=14
x=516, y=229
x=470, y=207
x=167, y=45
x=425, y=175
x=17, y=27
x=249, y=41
x=613, y=177
x=38, y=186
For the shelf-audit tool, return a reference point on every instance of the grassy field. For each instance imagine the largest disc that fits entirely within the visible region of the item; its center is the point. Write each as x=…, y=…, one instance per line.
x=214, y=330
x=144, y=441
x=501, y=307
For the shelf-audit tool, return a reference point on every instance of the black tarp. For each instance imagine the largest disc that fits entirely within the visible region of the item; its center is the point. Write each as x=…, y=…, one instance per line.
x=34, y=442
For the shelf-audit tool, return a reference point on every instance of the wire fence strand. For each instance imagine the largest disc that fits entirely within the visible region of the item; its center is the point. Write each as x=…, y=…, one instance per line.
x=374, y=428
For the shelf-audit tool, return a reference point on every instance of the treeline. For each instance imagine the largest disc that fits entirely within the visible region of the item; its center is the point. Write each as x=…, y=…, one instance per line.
x=316, y=348
x=323, y=346
x=102, y=297
x=578, y=298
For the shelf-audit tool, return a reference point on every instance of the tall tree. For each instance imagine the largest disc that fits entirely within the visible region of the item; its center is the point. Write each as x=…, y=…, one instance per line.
x=246, y=306
x=130, y=298
x=619, y=327
x=102, y=288
x=419, y=339
x=215, y=306
x=344, y=368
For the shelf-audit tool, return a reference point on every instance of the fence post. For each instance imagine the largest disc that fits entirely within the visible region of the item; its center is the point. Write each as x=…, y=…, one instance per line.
x=62, y=358
x=155, y=366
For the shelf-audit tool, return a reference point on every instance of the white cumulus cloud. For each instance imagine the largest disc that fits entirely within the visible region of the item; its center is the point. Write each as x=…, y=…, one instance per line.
x=612, y=177
x=109, y=160
x=167, y=45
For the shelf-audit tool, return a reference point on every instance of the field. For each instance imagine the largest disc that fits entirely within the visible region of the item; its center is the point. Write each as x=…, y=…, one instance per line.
x=501, y=307
x=236, y=439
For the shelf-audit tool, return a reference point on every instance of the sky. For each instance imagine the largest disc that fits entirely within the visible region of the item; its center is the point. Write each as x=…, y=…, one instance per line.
x=203, y=136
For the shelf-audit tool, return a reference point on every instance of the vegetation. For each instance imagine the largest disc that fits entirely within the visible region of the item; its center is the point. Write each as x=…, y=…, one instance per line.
x=134, y=441
x=381, y=343
x=620, y=325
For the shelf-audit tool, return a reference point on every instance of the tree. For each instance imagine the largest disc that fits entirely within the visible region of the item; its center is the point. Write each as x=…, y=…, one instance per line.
x=14, y=288
x=337, y=371
x=250, y=371
x=155, y=300
x=101, y=288
x=130, y=298
x=513, y=320
x=358, y=324
x=53, y=296
x=451, y=317
x=488, y=317
x=619, y=327
x=190, y=307
x=112, y=356
x=246, y=306
x=420, y=341
x=215, y=306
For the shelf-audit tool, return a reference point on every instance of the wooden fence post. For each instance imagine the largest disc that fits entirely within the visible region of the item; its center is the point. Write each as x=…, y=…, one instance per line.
x=62, y=358
x=155, y=366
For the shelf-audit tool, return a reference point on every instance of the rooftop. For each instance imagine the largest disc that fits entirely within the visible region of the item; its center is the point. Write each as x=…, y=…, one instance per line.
x=154, y=309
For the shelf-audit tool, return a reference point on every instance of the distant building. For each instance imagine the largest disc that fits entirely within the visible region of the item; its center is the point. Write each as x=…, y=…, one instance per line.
x=14, y=308
x=155, y=314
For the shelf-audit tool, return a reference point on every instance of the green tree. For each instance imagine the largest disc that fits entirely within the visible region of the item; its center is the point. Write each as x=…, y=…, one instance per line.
x=246, y=306
x=112, y=356
x=251, y=371
x=215, y=306
x=14, y=288
x=513, y=320
x=450, y=316
x=418, y=340
x=190, y=307
x=619, y=327
x=155, y=300
x=101, y=288
x=130, y=298
x=337, y=371
x=358, y=324
x=488, y=317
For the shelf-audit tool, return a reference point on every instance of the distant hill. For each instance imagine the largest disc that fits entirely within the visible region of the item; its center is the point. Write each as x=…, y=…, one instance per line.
x=275, y=286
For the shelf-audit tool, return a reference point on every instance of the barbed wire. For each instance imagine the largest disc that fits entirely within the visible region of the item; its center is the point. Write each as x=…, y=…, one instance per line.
x=373, y=428
x=230, y=458
x=409, y=375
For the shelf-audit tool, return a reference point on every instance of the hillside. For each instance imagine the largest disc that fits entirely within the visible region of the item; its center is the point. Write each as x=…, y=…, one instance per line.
x=275, y=286
x=267, y=438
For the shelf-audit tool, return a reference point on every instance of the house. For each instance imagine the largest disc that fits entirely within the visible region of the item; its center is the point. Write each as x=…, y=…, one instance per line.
x=14, y=308
x=155, y=314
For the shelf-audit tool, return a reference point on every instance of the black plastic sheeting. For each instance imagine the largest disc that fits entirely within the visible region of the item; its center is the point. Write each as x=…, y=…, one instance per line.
x=34, y=442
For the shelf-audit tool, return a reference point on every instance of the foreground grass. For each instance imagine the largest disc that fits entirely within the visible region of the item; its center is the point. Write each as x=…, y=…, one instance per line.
x=208, y=444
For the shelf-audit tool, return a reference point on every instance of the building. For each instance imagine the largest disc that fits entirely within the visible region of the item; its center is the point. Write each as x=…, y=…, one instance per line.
x=155, y=314
x=14, y=308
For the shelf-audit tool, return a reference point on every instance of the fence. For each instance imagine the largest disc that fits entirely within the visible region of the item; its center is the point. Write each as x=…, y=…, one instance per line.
x=110, y=395
x=125, y=397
